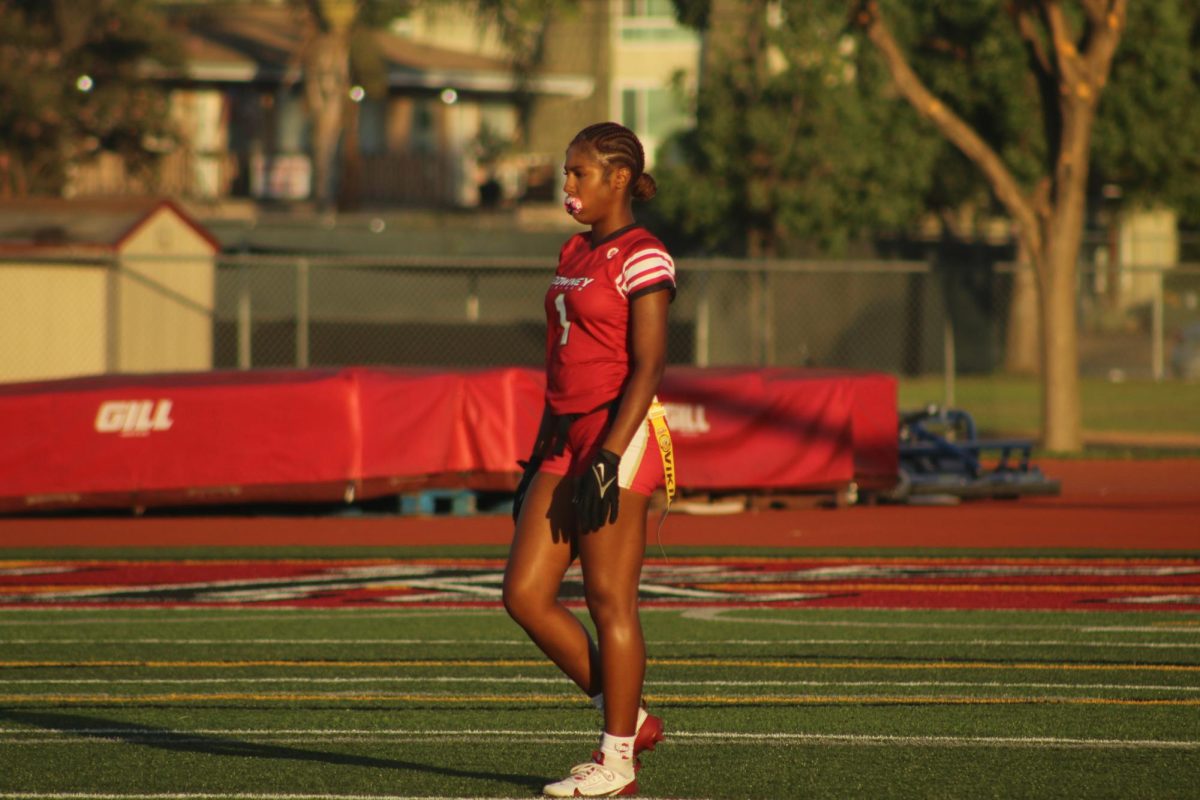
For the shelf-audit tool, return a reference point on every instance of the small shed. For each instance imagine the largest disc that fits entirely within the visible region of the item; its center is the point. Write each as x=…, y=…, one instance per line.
x=103, y=286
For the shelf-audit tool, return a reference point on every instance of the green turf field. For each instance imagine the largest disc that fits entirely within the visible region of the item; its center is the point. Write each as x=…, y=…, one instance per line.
x=759, y=702
x=1011, y=405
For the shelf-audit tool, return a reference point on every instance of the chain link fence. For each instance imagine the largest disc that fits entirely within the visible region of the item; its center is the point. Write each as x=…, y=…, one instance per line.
x=1141, y=323
x=904, y=317
x=274, y=312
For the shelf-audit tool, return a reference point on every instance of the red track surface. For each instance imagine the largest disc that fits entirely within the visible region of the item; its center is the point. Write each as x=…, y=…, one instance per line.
x=1138, y=583
x=1113, y=505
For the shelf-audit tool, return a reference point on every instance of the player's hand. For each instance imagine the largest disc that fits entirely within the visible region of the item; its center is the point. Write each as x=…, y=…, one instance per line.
x=530, y=469
x=597, y=496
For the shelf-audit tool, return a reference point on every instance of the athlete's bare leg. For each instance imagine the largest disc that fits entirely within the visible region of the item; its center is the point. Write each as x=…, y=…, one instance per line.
x=537, y=561
x=612, y=566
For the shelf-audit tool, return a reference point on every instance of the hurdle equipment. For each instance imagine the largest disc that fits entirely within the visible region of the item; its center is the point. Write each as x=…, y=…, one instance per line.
x=430, y=502
x=940, y=453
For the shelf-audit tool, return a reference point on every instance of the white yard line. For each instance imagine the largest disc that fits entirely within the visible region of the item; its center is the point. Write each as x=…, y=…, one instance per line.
x=190, y=615
x=559, y=698
x=237, y=614
x=312, y=735
x=649, y=642
x=518, y=680
x=272, y=641
x=723, y=614
x=221, y=796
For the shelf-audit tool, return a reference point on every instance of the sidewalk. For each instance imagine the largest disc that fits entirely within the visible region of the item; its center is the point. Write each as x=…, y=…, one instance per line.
x=1117, y=504
x=1164, y=439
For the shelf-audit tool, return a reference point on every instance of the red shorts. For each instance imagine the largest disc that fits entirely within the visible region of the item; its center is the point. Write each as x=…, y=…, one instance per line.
x=641, y=468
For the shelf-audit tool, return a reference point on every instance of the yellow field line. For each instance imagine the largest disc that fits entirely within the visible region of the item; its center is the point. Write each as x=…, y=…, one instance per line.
x=1031, y=588
x=664, y=662
x=1013, y=665
x=175, y=697
x=526, y=662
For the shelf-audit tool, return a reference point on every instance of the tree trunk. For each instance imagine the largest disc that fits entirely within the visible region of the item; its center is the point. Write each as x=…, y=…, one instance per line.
x=1062, y=427
x=1061, y=404
x=1062, y=235
x=326, y=83
x=1022, y=354
x=350, y=186
x=1050, y=223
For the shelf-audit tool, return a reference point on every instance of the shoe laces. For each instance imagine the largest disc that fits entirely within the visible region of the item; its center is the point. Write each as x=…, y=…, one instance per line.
x=582, y=772
x=596, y=762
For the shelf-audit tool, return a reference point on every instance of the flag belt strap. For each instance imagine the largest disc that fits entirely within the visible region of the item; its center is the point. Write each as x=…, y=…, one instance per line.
x=662, y=434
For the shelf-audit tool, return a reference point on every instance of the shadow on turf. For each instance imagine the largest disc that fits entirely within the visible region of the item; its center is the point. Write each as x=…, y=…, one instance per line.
x=183, y=741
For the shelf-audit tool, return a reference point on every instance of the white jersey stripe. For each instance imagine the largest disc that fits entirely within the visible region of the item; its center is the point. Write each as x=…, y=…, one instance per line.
x=649, y=278
x=640, y=254
x=647, y=264
x=643, y=266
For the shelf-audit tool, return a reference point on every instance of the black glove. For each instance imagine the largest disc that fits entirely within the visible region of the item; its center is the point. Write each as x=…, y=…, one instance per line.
x=531, y=468
x=597, y=496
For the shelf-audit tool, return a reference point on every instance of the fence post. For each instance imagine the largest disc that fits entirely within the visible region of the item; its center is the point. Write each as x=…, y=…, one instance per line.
x=244, y=319
x=768, y=332
x=1156, y=323
x=472, y=297
x=949, y=360
x=302, y=312
x=754, y=303
x=702, y=322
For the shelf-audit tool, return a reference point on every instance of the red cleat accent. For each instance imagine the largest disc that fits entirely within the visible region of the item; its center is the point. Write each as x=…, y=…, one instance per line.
x=648, y=735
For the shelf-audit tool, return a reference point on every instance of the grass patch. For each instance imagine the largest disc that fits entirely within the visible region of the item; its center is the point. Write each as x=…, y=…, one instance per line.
x=1003, y=404
x=759, y=702
x=1111, y=453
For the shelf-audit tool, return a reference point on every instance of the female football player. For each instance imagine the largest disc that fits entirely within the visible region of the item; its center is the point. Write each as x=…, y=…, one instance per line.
x=596, y=461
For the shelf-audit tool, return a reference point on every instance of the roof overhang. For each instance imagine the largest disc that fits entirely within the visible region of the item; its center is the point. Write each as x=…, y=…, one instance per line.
x=576, y=86
x=573, y=86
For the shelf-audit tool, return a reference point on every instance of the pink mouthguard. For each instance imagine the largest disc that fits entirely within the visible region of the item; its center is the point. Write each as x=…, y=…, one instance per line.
x=573, y=205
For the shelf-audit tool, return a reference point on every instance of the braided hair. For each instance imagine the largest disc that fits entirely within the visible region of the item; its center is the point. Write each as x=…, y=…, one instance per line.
x=614, y=144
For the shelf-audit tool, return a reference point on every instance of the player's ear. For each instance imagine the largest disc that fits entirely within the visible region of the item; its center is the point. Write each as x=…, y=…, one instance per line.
x=620, y=177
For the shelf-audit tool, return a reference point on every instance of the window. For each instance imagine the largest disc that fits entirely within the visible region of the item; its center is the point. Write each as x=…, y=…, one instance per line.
x=652, y=22
x=424, y=126
x=372, y=127
x=291, y=125
x=649, y=8
x=653, y=113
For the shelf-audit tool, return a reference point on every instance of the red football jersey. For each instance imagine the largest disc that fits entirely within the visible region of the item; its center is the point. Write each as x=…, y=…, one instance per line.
x=587, y=314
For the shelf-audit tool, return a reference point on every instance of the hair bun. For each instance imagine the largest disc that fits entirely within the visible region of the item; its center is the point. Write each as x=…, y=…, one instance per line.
x=645, y=187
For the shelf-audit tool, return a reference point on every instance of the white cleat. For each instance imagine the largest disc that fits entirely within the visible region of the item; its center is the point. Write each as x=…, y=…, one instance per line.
x=593, y=779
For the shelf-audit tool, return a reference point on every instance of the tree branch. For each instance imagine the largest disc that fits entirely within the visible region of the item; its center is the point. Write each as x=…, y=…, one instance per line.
x=954, y=128
x=317, y=15
x=1033, y=42
x=1044, y=74
x=1062, y=42
x=73, y=23
x=1107, y=28
x=1081, y=77
x=1096, y=10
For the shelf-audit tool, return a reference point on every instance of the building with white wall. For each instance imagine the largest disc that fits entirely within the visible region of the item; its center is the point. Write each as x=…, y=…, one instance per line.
x=93, y=287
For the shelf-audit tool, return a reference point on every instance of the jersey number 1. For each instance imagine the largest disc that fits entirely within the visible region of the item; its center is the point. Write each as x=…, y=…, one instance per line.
x=560, y=302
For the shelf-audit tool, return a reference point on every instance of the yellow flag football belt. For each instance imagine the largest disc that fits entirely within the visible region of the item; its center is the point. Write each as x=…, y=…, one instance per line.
x=662, y=435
